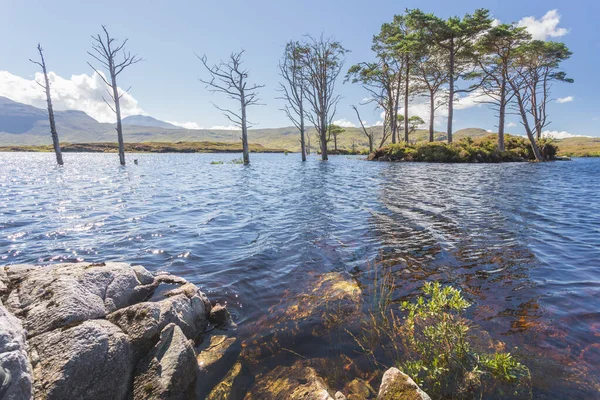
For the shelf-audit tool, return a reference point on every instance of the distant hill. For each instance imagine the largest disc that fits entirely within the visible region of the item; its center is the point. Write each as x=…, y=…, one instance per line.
x=145, y=120
x=21, y=124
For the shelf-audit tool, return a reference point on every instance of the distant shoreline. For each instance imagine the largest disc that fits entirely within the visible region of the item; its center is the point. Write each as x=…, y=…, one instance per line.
x=145, y=147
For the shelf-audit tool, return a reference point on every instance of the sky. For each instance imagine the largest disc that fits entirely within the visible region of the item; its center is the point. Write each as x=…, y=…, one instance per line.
x=168, y=34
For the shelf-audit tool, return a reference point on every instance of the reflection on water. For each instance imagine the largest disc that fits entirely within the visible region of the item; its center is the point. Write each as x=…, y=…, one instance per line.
x=521, y=240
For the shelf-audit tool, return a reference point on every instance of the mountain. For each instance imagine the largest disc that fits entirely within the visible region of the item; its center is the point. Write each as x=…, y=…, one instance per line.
x=145, y=120
x=21, y=124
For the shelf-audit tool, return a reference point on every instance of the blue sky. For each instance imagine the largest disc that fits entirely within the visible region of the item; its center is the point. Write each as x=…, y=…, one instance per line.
x=167, y=34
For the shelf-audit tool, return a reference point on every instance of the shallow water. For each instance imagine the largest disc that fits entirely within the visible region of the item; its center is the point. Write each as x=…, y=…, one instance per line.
x=521, y=240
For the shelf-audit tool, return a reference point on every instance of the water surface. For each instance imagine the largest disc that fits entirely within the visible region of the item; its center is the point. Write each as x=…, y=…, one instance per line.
x=521, y=240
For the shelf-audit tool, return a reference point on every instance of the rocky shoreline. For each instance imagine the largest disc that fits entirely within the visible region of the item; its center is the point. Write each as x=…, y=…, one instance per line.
x=115, y=331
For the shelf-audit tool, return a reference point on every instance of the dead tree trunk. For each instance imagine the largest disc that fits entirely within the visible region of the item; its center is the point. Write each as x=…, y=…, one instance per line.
x=106, y=51
x=231, y=79
x=46, y=87
x=367, y=134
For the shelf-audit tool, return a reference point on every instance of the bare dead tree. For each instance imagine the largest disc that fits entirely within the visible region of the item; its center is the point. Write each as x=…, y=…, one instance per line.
x=323, y=60
x=292, y=71
x=231, y=79
x=113, y=57
x=368, y=134
x=46, y=87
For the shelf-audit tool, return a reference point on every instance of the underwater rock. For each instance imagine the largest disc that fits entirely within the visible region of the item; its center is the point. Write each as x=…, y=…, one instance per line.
x=169, y=370
x=231, y=386
x=290, y=383
x=396, y=385
x=333, y=299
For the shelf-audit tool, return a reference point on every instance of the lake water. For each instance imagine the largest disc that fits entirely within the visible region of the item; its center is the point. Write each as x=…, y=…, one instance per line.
x=521, y=240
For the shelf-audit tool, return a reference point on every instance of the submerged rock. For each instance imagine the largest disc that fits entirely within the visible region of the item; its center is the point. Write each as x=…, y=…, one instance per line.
x=16, y=379
x=333, y=299
x=169, y=370
x=292, y=383
x=89, y=361
x=396, y=385
x=226, y=389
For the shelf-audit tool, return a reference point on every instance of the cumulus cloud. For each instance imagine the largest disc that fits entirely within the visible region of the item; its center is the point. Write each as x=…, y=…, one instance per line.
x=344, y=123
x=511, y=125
x=565, y=99
x=79, y=92
x=186, y=125
x=547, y=26
x=225, y=128
x=560, y=135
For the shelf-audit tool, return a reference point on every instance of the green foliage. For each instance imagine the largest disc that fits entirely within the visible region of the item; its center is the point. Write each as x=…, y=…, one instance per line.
x=216, y=162
x=466, y=150
x=430, y=341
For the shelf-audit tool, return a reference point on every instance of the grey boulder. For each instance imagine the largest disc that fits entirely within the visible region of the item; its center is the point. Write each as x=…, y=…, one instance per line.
x=168, y=372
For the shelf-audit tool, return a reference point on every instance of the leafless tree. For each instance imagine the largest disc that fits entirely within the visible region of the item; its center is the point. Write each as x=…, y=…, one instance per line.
x=231, y=79
x=46, y=87
x=369, y=134
x=113, y=57
x=323, y=60
x=292, y=71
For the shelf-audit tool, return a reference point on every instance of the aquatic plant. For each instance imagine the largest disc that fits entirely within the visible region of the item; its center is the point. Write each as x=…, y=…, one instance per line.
x=430, y=341
x=216, y=162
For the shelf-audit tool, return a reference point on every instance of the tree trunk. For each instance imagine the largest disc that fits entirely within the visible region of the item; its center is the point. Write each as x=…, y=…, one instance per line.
x=393, y=122
x=370, y=143
x=55, y=142
x=451, y=91
x=431, y=117
x=302, y=142
x=118, y=112
x=502, y=116
x=406, y=91
x=246, y=155
x=323, y=137
x=335, y=143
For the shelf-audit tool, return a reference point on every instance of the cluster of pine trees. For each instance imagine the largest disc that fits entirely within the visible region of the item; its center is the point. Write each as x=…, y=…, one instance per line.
x=416, y=54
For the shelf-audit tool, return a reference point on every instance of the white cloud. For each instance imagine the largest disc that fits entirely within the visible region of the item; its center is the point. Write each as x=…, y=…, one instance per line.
x=344, y=123
x=186, y=125
x=225, y=128
x=565, y=99
x=560, y=135
x=496, y=22
x=543, y=28
x=511, y=125
x=378, y=123
x=80, y=92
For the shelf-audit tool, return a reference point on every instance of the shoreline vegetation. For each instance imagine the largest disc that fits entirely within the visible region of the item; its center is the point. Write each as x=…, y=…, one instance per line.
x=146, y=147
x=467, y=149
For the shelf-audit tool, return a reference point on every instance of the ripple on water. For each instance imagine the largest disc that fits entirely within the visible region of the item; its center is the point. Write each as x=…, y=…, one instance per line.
x=521, y=240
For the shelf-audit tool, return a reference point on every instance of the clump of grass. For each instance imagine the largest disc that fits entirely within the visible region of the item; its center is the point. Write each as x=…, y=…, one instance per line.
x=216, y=162
x=236, y=161
x=430, y=341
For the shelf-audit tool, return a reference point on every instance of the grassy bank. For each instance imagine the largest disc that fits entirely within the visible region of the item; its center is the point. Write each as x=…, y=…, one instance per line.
x=579, y=147
x=147, y=147
x=466, y=150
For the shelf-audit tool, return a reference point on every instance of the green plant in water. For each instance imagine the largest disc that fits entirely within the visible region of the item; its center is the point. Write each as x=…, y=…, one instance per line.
x=216, y=162
x=236, y=161
x=431, y=341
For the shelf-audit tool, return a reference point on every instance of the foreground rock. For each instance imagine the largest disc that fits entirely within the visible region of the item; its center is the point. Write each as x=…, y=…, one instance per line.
x=396, y=385
x=169, y=370
x=88, y=331
x=13, y=358
x=89, y=361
